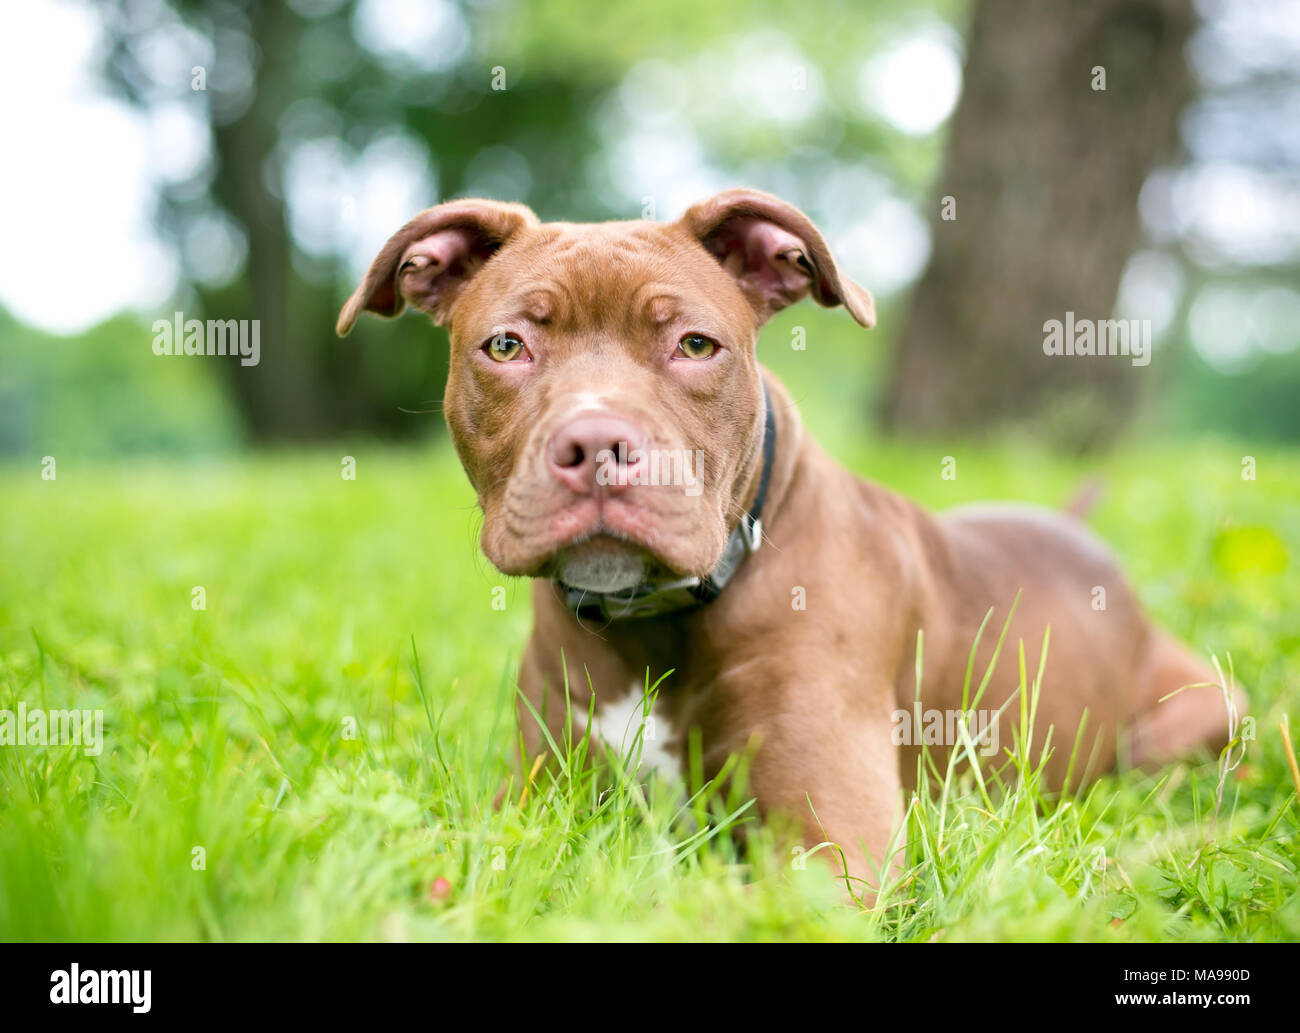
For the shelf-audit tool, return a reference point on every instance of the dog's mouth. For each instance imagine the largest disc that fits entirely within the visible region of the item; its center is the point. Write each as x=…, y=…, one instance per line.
x=606, y=562
x=607, y=545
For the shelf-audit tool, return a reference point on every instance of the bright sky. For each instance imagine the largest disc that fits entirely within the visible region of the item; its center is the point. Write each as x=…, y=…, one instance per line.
x=76, y=180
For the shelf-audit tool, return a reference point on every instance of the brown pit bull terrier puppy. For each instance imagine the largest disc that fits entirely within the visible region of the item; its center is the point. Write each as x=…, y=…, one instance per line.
x=631, y=455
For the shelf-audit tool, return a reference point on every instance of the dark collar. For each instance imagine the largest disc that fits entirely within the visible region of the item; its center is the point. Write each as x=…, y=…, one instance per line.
x=653, y=598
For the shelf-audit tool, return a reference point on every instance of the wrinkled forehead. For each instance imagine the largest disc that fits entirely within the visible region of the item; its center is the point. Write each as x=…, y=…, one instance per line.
x=613, y=277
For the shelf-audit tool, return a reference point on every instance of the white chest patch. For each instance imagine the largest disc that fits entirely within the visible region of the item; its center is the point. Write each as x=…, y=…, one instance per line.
x=617, y=725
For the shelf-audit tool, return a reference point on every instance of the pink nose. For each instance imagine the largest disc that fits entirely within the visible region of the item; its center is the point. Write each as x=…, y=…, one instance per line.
x=597, y=452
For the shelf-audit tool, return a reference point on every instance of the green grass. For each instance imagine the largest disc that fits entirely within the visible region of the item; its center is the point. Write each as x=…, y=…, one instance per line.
x=330, y=602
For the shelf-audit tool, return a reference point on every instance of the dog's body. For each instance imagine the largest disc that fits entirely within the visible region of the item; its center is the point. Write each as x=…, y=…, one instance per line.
x=573, y=342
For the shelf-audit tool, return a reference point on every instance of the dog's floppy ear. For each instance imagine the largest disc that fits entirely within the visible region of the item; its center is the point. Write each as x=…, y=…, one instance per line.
x=775, y=253
x=429, y=260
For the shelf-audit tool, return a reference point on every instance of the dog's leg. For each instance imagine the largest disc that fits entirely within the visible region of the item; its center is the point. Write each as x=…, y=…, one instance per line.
x=860, y=824
x=832, y=771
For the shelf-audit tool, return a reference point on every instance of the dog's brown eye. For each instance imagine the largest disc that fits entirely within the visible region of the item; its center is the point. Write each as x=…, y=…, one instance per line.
x=696, y=346
x=505, y=347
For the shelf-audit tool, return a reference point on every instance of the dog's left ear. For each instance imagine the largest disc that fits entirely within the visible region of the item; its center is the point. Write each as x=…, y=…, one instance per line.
x=775, y=254
x=429, y=260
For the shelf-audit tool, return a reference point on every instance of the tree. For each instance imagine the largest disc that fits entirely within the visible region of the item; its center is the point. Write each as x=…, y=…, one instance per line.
x=261, y=59
x=1065, y=109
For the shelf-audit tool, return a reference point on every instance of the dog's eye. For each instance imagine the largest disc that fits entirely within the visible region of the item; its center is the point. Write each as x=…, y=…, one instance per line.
x=505, y=347
x=696, y=346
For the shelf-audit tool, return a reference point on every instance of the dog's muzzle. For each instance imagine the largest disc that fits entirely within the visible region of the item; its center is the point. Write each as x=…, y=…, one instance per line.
x=655, y=598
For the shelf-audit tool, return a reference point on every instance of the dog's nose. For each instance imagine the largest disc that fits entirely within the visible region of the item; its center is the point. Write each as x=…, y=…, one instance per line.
x=597, y=451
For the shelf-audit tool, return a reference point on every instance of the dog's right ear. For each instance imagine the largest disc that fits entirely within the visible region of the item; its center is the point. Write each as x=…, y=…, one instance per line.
x=429, y=260
x=775, y=253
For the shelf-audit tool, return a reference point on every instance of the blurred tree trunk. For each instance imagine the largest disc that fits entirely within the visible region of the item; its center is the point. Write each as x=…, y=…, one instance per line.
x=307, y=384
x=1045, y=171
x=386, y=379
x=278, y=397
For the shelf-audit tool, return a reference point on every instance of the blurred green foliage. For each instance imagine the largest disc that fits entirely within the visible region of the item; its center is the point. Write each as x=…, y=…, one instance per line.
x=106, y=394
x=1258, y=403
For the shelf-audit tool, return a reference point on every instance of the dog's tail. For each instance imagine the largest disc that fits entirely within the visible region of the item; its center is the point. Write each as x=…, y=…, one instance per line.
x=1085, y=497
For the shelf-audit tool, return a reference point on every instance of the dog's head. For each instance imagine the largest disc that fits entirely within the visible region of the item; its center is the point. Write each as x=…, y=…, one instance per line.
x=604, y=394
